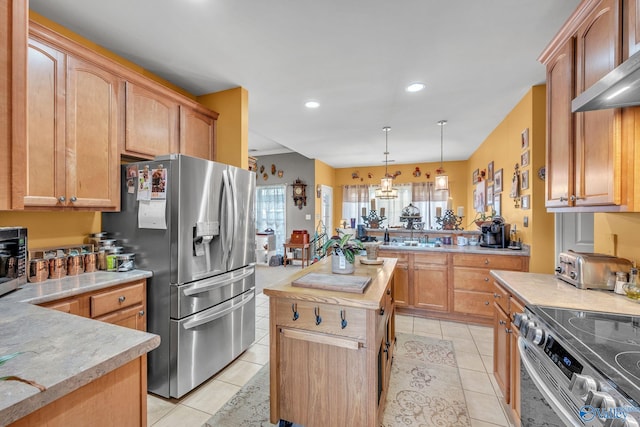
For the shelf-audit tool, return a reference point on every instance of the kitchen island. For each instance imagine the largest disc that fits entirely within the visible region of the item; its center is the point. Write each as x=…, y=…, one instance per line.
x=92, y=371
x=331, y=351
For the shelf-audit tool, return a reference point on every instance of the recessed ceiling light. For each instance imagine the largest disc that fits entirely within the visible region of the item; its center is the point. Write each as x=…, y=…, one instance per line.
x=416, y=87
x=312, y=104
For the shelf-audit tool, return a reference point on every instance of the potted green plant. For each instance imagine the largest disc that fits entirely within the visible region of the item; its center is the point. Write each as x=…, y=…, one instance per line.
x=345, y=248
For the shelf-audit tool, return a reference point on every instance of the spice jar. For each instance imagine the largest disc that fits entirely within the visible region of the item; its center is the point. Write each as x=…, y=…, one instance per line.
x=75, y=265
x=631, y=288
x=621, y=281
x=111, y=254
x=125, y=262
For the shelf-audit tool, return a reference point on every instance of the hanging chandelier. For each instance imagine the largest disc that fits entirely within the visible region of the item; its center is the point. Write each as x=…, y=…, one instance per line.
x=386, y=190
x=442, y=180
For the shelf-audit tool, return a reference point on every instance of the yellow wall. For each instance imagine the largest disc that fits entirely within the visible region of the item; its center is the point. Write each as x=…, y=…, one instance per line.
x=503, y=147
x=626, y=227
x=48, y=229
x=457, y=172
x=232, y=142
x=325, y=175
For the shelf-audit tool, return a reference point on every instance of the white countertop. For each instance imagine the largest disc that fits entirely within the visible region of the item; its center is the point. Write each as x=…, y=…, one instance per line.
x=467, y=249
x=547, y=290
x=60, y=351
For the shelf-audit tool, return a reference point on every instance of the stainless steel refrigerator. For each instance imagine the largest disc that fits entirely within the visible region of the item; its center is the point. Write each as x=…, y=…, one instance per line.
x=192, y=223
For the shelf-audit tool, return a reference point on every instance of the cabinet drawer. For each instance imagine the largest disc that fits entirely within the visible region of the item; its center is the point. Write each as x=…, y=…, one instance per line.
x=472, y=302
x=66, y=306
x=501, y=262
x=116, y=299
x=401, y=256
x=438, y=258
x=331, y=316
x=501, y=297
x=472, y=279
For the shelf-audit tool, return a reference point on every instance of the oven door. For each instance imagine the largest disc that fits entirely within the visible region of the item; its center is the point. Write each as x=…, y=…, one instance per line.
x=542, y=404
x=206, y=342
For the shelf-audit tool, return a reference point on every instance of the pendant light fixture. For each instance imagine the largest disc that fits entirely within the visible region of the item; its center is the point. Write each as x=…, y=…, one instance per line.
x=386, y=190
x=442, y=180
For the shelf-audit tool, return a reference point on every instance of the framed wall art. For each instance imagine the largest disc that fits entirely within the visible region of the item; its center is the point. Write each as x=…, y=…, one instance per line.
x=497, y=205
x=497, y=182
x=524, y=159
x=524, y=138
x=490, y=195
x=474, y=177
x=526, y=200
x=525, y=180
x=490, y=171
x=481, y=196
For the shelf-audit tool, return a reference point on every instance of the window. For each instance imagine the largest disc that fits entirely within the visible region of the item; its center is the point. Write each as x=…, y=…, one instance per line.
x=271, y=212
x=421, y=195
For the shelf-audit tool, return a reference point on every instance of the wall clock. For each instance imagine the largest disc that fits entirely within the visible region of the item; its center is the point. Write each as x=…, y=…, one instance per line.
x=299, y=193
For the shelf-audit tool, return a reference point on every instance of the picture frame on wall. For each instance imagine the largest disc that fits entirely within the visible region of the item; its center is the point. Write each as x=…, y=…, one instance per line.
x=497, y=205
x=524, y=159
x=526, y=200
x=474, y=176
x=525, y=180
x=497, y=182
x=524, y=139
x=480, y=202
x=490, y=195
x=490, y=171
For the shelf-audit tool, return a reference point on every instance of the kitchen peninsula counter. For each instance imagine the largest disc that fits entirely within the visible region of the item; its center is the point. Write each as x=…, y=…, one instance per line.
x=547, y=290
x=331, y=351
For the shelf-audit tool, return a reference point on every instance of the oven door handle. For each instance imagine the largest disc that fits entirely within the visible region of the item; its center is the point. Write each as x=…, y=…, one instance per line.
x=567, y=417
x=217, y=313
x=215, y=283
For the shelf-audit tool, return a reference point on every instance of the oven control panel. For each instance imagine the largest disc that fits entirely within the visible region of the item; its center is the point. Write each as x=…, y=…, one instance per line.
x=576, y=391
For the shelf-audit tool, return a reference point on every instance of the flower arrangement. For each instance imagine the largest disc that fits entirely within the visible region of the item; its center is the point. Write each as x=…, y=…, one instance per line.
x=344, y=245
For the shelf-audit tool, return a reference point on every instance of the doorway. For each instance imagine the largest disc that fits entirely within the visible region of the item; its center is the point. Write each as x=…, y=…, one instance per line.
x=326, y=208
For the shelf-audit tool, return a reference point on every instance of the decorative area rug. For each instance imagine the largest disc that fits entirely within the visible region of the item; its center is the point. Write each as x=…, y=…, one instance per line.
x=425, y=390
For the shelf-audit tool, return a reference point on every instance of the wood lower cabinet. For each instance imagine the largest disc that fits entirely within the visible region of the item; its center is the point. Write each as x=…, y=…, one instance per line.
x=431, y=283
x=330, y=354
x=506, y=356
x=400, y=277
x=73, y=130
x=123, y=305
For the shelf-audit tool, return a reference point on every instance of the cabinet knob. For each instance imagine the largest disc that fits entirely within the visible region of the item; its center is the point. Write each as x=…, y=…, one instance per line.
x=61, y=199
x=122, y=298
x=495, y=295
x=507, y=330
x=486, y=279
x=574, y=198
x=564, y=199
x=141, y=313
x=502, y=322
x=486, y=261
x=73, y=199
x=486, y=303
x=381, y=311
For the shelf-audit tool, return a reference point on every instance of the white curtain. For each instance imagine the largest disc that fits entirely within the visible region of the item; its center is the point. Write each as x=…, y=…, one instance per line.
x=393, y=207
x=427, y=199
x=354, y=198
x=271, y=212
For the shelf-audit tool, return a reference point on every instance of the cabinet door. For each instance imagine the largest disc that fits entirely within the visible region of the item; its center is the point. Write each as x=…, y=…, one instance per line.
x=93, y=164
x=596, y=131
x=132, y=317
x=560, y=133
x=514, y=382
x=151, y=123
x=430, y=286
x=71, y=306
x=632, y=30
x=501, y=350
x=45, y=167
x=197, y=133
x=401, y=284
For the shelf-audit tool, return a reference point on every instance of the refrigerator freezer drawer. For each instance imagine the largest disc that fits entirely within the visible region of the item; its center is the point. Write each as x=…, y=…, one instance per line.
x=197, y=296
x=206, y=342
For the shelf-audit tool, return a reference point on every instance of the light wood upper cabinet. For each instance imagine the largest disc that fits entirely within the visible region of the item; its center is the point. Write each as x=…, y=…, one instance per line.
x=197, y=133
x=586, y=151
x=151, y=123
x=631, y=41
x=72, y=146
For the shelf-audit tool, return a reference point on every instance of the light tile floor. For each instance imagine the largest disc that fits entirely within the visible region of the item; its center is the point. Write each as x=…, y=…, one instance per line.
x=473, y=347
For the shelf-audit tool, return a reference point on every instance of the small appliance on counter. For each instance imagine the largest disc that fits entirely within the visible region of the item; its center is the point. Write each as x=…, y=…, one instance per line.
x=590, y=270
x=495, y=233
x=13, y=258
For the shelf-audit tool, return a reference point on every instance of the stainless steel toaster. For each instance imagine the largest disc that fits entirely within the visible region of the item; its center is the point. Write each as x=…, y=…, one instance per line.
x=590, y=270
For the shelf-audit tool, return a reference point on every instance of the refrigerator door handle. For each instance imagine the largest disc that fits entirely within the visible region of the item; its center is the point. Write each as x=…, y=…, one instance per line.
x=218, y=282
x=216, y=313
x=234, y=198
x=228, y=233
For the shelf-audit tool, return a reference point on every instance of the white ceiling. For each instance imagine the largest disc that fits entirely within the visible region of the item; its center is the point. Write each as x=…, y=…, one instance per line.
x=478, y=58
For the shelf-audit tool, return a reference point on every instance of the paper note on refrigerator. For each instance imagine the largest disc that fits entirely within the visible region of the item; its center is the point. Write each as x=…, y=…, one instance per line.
x=152, y=214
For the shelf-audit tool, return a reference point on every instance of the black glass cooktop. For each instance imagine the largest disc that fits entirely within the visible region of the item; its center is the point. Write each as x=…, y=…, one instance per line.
x=609, y=342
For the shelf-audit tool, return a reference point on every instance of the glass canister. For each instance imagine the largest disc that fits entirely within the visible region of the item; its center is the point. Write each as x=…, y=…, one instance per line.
x=90, y=262
x=112, y=254
x=75, y=264
x=125, y=262
x=38, y=270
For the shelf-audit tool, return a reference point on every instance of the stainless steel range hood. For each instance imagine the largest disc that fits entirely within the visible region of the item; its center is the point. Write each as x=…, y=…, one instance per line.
x=619, y=88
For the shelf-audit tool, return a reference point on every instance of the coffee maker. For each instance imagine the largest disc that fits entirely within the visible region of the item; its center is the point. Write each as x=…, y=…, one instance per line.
x=495, y=233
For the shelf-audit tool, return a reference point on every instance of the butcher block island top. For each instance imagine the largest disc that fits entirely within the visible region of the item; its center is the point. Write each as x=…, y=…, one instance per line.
x=331, y=350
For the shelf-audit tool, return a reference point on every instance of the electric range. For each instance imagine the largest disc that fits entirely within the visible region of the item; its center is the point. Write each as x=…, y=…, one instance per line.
x=585, y=363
